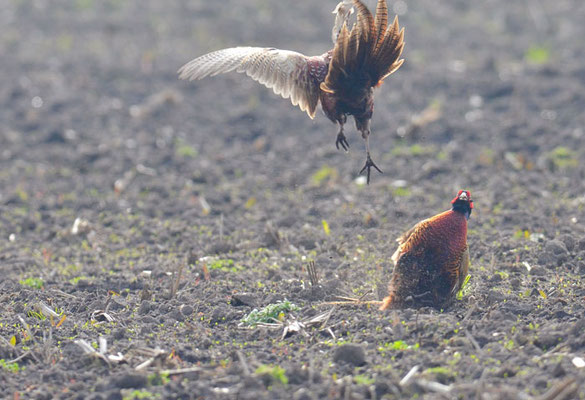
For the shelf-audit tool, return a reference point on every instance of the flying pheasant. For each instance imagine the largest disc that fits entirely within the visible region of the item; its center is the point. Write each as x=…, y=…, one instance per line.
x=432, y=258
x=342, y=79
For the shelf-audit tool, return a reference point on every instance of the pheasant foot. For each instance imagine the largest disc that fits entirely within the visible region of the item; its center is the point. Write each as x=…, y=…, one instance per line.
x=368, y=166
x=341, y=140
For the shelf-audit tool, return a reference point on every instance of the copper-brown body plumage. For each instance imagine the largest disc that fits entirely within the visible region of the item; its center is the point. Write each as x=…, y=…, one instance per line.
x=432, y=259
x=342, y=79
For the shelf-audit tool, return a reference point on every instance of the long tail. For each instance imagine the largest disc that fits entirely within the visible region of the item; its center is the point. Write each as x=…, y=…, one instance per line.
x=365, y=55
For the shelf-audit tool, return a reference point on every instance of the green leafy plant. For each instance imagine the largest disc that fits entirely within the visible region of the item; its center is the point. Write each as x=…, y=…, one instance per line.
x=276, y=373
x=324, y=173
x=225, y=265
x=442, y=374
x=10, y=367
x=537, y=55
x=398, y=345
x=439, y=370
x=326, y=228
x=464, y=291
x=563, y=158
x=141, y=394
x=36, y=314
x=34, y=283
x=183, y=149
x=158, y=379
x=401, y=192
x=363, y=380
x=270, y=313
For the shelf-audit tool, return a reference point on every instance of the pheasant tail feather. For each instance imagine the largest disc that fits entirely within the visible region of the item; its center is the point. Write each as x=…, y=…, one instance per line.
x=366, y=54
x=381, y=23
x=387, y=57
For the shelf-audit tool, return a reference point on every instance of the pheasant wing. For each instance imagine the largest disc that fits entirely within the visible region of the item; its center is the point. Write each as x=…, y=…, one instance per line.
x=288, y=73
x=409, y=240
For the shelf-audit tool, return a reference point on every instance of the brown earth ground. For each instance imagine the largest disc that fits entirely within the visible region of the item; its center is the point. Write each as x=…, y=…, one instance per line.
x=221, y=190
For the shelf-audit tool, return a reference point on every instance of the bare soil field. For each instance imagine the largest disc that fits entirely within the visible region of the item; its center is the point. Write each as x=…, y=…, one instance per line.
x=144, y=218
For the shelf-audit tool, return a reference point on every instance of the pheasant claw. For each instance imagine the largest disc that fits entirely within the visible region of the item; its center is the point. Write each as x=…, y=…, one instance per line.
x=368, y=166
x=341, y=140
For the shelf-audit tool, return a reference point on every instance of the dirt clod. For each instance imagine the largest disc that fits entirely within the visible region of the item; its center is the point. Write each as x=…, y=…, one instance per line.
x=129, y=380
x=350, y=354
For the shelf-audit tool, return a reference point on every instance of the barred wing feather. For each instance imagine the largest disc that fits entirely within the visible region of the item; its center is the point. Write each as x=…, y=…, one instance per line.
x=287, y=73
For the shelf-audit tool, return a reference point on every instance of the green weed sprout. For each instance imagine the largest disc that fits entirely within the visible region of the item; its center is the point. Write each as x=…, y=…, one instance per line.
x=34, y=283
x=276, y=373
x=270, y=313
x=464, y=288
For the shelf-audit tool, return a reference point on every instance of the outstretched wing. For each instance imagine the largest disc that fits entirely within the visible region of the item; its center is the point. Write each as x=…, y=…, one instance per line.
x=288, y=73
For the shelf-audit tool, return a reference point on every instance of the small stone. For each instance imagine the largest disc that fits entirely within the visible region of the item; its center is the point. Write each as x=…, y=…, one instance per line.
x=521, y=339
x=114, y=395
x=115, y=306
x=506, y=371
x=382, y=388
x=145, y=330
x=578, y=362
x=578, y=327
x=219, y=315
x=145, y=307
x=297, y=376
x=568, y=240
x=515, y=283
x=129, y=381
x=251, y=382
x=547, y=341
x=177, y=315
x=95, y=396
x=555, y=252
x=495, y=296
x=186, y=310
x=244, y=299
x=303, y=394
x=148, y=320
x=119, y=333
x=350, y=354
x=537, y=271
x=556, y=247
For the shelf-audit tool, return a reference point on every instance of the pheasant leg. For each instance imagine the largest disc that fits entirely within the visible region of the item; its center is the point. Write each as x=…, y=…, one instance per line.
x=369, y=162
x=341, y=140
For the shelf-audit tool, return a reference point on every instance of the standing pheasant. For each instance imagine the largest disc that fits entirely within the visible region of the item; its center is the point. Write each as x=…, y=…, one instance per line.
x=342, y=79
x=432, y=259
